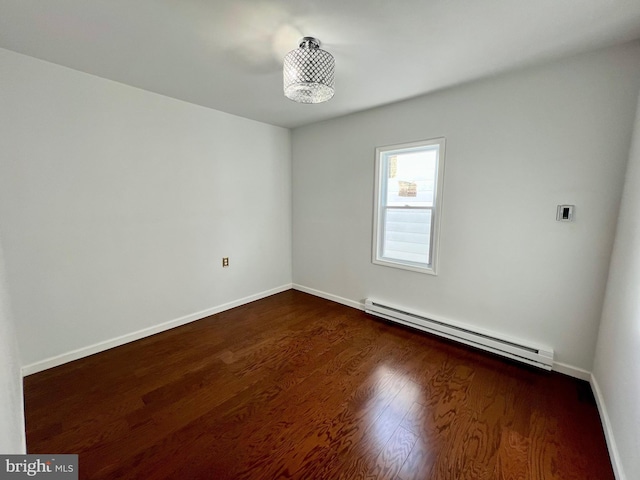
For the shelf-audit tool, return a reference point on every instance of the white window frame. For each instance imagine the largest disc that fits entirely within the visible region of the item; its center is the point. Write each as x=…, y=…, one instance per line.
x=380, y=207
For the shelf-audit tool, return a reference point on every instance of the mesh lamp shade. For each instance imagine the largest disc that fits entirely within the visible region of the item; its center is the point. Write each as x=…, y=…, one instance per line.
x=308, y=73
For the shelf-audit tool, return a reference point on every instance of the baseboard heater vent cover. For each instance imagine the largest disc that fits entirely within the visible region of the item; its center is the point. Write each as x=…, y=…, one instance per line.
x=516, y=350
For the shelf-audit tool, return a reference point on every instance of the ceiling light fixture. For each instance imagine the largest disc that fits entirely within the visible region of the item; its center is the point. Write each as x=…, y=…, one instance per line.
x=308, y=73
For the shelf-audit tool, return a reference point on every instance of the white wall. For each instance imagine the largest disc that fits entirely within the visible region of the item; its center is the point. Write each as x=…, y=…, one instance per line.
x=12, y=438
x=117, y=205
x=617, y=362
x=517, y=146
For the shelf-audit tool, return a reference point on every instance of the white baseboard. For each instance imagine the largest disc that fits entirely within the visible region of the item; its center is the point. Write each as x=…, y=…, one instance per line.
x=145, y=332
x=572, y=371
x=329, y=296
x=608, y=431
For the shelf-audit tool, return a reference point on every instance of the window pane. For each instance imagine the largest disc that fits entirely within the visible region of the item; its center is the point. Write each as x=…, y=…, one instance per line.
x=411, y=177
x=407, y=235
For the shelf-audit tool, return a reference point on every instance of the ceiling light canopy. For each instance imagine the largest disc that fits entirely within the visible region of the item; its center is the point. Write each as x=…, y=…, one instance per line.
x=309, y=73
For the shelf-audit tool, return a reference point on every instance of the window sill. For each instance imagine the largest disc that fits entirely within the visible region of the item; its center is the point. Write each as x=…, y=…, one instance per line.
x=429, y=270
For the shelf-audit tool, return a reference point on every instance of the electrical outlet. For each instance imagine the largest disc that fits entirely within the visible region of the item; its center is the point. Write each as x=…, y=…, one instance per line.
x=225, y=261
x=565, y=213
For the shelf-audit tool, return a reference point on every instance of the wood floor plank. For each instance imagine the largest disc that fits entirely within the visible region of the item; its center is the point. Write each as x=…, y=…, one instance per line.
x=393, y=455
x=295, y=386
x=513, y=454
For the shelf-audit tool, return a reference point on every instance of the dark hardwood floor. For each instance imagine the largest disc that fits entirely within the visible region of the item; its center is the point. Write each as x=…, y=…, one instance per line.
x=294, y=386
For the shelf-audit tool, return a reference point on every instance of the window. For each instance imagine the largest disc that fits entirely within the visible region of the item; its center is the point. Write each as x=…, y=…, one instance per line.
x=409, y=180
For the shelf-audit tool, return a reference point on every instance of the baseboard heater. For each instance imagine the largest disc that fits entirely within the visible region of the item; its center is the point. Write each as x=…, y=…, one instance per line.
x=531, y=354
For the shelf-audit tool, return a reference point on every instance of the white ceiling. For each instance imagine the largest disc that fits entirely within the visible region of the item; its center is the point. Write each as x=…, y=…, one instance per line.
x=227, y=54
